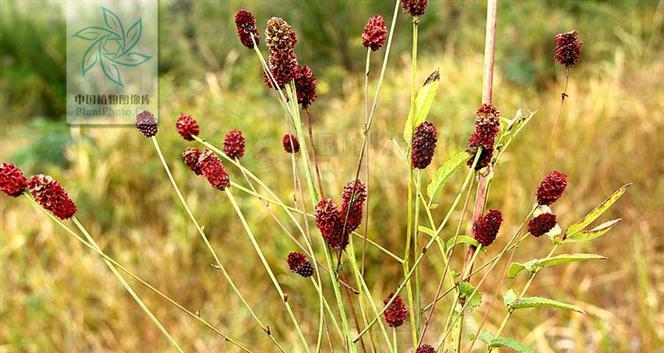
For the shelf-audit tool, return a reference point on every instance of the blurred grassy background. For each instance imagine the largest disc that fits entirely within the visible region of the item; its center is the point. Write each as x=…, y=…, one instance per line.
x=56, y=296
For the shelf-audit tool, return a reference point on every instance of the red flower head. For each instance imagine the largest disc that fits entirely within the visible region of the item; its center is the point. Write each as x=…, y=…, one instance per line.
x=397, y=312
x=328, y=221
x=305, y=85
x=358, y=191
x=568, y=48
x=541, y=224
x=191, y=157
x=246, y=26
x=290, y=143
x=299, y=264
x=414, y=7
x=425, y=348
x=551, y=188
x=234, y=144
x=187, y=127
x=146, y=123
x=280, y=40
x=486, y=227
x=50, y=195
x=424, y=144
x=12, y=180
x=374, y=33
x=213, y=170
x=483, y=161
x=487, y=125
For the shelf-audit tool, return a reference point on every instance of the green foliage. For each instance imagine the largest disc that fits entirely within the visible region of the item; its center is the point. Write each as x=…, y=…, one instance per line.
x=420, y=109
x=463, y=239
x=470, y=295
x=537, y=264
x=539, y=302
x=596, y=212
x=494, y=342
x=444, y=172
x=592, y=233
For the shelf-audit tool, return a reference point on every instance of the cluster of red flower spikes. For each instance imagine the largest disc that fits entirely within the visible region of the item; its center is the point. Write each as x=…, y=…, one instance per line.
x=46, y=190
x=335, y=225
x=550, y=190
x=187, y=127
x=234, y=144
x=374, y=34
x=280, y=39
x=246, y=26
x=206, y=163
x=568, y=48
x=485, y=228
x=425, y=348
x=424, y=145
x=299, y=264
x=414, y=7
x=146, y=123
x=397, y=312
x=290, y=143
x=487, y=123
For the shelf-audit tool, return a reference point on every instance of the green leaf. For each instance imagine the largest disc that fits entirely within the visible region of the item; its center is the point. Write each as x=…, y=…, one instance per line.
x=536, y=264
x=509, y=297
x=444, y=172
x=494, y=342
x=595, y=213
x=420, y=109
x=514, y=269
x=539, y=302
x=472, y=297
x=461, y=239
x=592, y=233
x=427, y=230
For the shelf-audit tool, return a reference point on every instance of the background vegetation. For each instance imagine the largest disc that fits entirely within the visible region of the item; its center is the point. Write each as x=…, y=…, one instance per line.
x=56, y=296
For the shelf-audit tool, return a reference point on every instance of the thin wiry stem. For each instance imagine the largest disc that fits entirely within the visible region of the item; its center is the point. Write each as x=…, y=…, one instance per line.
x=314, y=153
x=424, y=250
x=367, y=147
x=276, y=284
x=447, y=263
x=563, y=96
x=128, y=287
x=140, y=280
x=219, y=264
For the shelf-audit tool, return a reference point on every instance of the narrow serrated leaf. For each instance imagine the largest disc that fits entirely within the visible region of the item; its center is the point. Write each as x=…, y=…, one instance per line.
x=539, y=302
x=462, y=239
x=593, y=233
x=444, y=172
x=472, y=297
x=596, y=212
x=420, y=109
x=567, y=258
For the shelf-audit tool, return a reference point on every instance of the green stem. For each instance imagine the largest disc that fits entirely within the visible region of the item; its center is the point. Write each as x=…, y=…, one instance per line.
x=218, y=262
x=281, y=293
x=128, y=287
x=424, y=251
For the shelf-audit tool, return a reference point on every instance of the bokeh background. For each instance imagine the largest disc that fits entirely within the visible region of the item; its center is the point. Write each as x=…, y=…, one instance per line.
x=56, y=296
